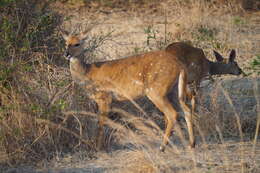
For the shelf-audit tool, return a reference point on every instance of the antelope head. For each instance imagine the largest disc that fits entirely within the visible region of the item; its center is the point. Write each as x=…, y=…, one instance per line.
x=231, y=66
x=74, y=44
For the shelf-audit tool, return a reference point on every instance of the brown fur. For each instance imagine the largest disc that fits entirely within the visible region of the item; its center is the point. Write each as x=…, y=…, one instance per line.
x=199, y=66
x=152, y=74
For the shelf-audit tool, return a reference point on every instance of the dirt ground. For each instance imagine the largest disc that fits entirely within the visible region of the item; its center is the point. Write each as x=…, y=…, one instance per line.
x=227, y=157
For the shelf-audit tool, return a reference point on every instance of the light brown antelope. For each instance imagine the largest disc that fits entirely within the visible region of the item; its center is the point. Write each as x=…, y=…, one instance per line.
x=199, y=66
x=151, y=74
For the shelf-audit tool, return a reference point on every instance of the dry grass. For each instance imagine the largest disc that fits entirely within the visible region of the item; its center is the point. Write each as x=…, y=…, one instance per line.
x=44, y=116
x=140, y=152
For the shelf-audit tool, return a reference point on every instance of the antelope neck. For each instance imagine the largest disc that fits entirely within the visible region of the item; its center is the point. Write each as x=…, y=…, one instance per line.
x=216, y=68
x=76, y=64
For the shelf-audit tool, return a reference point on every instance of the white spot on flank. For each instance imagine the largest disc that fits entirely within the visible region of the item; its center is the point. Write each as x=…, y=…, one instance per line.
x=148, y=89
x=140, y=74
x=137, y=82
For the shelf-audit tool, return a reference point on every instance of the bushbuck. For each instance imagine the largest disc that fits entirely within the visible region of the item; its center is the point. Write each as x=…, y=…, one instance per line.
x=199, y=66
x=151, y=74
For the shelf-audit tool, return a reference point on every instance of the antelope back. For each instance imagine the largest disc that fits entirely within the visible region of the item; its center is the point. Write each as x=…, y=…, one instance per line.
x=138, y=75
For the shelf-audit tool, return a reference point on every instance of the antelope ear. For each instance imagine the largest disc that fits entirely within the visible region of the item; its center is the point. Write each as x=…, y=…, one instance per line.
x=232, y=55
x=218, y=56
x=83, y=35
x=65, y=34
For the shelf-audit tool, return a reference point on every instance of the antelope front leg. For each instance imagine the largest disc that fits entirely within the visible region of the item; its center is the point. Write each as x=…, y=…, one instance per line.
x=103, y=101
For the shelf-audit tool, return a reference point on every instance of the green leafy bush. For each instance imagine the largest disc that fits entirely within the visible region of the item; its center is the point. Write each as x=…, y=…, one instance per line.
x=255, y=64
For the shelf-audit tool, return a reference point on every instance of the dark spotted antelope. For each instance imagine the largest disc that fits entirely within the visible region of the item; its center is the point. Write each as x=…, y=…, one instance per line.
x=199, y=66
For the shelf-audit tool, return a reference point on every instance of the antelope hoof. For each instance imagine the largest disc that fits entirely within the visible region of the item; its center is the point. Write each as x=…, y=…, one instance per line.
x=99, y=145
x=192, y=146
x=100, y=148
x=162, y=148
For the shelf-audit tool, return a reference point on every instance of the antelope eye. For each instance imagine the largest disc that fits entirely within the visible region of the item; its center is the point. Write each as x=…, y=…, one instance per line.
x=76, y=45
